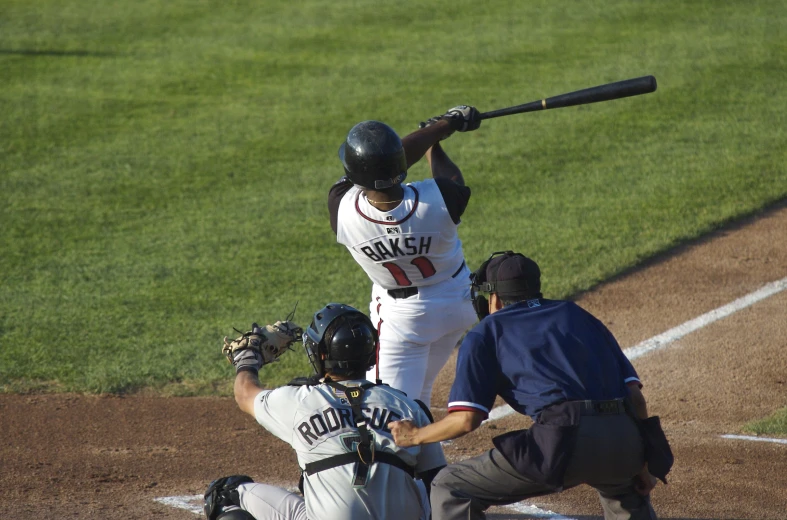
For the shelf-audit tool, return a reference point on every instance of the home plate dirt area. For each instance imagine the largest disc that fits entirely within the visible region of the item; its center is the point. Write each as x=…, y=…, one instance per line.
x=717, y=309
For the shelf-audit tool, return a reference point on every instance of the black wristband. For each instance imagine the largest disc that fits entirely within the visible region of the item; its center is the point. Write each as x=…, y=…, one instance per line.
x=247, y=368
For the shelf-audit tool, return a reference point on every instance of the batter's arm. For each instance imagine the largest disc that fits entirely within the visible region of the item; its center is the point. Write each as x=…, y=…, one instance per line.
x=442, y=166
x=419, y=142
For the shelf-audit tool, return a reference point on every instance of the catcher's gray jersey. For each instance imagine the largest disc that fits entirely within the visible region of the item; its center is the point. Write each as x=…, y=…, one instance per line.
x=317, y=422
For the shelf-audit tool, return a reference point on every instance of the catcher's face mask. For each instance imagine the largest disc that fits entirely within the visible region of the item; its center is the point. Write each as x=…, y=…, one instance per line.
x=479, y=284
x=313, y=352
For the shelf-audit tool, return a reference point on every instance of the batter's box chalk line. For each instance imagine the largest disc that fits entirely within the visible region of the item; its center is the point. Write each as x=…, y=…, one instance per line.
x=191, y=503
x=536, y=512
x=755, y=439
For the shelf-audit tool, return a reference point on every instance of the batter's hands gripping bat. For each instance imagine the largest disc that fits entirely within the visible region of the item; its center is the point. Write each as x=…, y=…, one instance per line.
x=617, y=90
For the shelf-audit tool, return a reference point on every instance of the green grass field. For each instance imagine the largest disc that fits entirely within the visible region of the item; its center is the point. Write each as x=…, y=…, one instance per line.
x=164, y=165
x=775, y=424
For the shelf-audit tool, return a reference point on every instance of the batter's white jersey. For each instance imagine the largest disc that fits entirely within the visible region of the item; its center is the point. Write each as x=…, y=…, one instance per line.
x=317, y=422
x=421, y=286
x=415, y=244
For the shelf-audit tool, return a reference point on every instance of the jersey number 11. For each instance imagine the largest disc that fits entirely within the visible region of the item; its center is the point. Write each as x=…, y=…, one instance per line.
x=423, y=264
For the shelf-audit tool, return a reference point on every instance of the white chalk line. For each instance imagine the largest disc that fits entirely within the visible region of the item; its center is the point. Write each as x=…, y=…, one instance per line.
x=649, y=345
x=191, y=503
x=756, y=439
x=536, y=512
x=674, y=334
x=678, y=332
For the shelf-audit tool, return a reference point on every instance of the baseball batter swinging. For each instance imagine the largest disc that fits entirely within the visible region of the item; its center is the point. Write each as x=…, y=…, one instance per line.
x=404, y=236
x=337, y=423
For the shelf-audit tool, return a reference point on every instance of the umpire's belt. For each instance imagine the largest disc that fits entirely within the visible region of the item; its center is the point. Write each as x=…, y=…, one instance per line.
x=348, y=458
x=406, y=292
x=611, y=407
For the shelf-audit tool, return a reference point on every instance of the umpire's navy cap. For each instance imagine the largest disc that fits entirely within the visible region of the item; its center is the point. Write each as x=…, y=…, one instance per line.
x=521, y=273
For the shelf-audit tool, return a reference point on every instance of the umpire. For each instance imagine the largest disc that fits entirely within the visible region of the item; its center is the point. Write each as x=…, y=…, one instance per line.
x=553, y=361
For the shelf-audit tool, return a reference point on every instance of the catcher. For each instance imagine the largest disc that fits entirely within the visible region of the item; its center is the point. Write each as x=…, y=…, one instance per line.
x=335, y=420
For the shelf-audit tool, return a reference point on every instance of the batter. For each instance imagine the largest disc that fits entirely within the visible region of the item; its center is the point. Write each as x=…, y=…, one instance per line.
x=405, y=239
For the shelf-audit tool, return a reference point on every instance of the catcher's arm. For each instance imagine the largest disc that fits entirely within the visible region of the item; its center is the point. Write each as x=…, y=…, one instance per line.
x=246, y=389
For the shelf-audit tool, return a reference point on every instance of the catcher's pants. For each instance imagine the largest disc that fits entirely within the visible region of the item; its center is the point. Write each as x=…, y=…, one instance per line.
x=419, y=333
x=607, y=455
x=266, y=502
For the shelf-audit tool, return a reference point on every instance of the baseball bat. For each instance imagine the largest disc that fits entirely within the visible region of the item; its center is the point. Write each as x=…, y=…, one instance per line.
x=616, y=90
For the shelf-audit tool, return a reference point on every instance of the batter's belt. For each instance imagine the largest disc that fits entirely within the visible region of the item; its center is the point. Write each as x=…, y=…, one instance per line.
x=406, y=292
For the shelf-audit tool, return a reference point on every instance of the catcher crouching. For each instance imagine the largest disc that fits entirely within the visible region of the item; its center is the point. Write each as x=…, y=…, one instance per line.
x=336, y=421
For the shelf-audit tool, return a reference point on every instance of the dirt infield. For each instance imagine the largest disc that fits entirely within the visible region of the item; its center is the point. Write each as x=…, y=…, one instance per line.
x=68, y=456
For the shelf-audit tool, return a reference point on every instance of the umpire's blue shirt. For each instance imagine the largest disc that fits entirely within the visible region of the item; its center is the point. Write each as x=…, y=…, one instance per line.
x=535, y=354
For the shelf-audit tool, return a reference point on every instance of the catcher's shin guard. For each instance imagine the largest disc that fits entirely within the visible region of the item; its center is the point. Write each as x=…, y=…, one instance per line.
x=223, y=493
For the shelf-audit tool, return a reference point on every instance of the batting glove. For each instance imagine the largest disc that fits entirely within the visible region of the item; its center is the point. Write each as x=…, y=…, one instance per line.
x=463, y=118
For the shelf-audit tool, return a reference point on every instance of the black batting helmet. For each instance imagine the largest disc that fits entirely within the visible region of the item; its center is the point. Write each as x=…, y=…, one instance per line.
x=340, y=340
x=373, y=156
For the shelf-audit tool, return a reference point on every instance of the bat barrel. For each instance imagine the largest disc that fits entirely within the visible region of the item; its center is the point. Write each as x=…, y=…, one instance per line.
x=617, y=90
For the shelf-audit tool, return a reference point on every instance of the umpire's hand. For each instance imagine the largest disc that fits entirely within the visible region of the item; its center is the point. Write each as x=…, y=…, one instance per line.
x=644, y=482
x=403, y=433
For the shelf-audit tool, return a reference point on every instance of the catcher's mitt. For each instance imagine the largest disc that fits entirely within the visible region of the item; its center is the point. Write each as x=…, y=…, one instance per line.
x=261, y=345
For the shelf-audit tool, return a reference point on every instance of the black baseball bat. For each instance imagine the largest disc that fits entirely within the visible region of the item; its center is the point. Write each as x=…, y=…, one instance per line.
x=617, y=90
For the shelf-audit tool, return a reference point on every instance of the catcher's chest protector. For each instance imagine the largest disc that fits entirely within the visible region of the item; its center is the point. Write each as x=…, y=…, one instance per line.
x=363, y=454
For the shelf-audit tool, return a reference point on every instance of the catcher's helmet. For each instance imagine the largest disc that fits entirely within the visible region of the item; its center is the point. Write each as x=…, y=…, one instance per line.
x=373, y=156
x=340, y=340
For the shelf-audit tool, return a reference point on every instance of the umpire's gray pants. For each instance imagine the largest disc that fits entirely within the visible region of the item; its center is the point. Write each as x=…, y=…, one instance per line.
x=607, y=455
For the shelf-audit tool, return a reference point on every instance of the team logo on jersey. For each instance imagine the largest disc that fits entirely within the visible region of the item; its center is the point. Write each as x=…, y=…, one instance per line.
x=340, y=395
x=533, y=303
x=352, y=440
x=392, y=230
